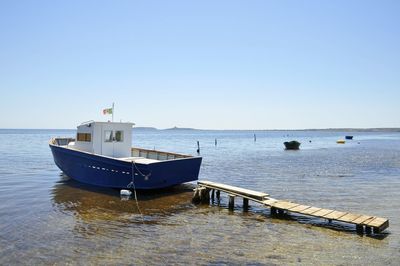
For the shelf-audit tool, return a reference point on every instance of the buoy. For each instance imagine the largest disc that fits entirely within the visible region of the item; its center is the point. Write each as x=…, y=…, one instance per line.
x=125, y=192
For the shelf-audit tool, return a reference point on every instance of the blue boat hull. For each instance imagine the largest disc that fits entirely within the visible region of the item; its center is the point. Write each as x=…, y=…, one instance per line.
x=108, y=172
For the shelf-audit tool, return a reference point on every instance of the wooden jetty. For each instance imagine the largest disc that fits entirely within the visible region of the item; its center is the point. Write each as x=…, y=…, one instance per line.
x=364, y=223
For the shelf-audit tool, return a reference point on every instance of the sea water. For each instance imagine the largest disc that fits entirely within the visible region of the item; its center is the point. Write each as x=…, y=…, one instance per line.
x=47, y=218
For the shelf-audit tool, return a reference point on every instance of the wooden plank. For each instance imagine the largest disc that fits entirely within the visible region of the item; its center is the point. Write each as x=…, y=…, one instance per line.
x=284, y=205
x=362, y=219
x=381, y=227
x=349, y=218
x=368, y=220
x=377, y=222
x=238, y=190
x=334, y=215
x=310, y=210
x=235, y=189
x=322, y=212
x=269, y=202
x=299, y=208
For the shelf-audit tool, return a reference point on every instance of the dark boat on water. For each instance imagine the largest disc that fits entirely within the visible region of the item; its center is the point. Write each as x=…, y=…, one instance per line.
x=349, y=137
x=102, y=155
x=292, y=145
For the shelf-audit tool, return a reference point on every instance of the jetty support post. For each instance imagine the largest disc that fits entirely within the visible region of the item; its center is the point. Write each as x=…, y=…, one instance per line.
x=231, y=204
x=360, y=229
x=245, y=204
x=368, y=230
x=218, y=195
x=201, y=195
x=205, y=196
x=196, y=196
x=212, y=195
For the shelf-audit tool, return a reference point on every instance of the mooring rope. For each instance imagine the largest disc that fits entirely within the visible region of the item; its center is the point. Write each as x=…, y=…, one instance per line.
x=132, y=185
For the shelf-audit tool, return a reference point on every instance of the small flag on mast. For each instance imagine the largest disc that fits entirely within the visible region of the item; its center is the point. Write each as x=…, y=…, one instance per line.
x=107, y=111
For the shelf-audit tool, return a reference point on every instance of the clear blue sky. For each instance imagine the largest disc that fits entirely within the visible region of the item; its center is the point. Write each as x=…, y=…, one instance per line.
x=202, y=64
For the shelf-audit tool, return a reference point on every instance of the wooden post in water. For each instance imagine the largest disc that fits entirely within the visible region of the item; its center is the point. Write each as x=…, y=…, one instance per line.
x=215, y=142
x=360, y=229
x=201, y=195
x=231, y=204
x=198, y=147
x=255, y=138
x=212, y=195
x=218, y=194
x=196, y=196
x=274, y=211
x=368, y=230
x=205, y=196
x=245, y=204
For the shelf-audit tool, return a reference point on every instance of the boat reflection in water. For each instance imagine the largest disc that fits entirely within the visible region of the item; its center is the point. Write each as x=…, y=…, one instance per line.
x=90, y=204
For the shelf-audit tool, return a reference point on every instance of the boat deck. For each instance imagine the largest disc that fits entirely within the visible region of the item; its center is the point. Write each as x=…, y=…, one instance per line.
x=140, y=160
x=157, y=155
x=138, y=155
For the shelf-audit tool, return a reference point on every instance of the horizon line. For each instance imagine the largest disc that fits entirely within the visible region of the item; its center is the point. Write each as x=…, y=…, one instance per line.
x=200, y=129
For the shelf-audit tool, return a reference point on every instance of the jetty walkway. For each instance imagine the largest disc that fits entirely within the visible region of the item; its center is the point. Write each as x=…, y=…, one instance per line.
x=364, y=223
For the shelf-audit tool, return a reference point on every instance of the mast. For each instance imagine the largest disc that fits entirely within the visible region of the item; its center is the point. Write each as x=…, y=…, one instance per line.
x=112, y=119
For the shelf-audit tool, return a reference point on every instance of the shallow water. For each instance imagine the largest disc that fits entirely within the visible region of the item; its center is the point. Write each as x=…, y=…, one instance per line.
x=47, y=218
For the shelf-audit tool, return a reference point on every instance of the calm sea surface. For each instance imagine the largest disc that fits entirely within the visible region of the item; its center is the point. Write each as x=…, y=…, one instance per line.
x=47, y=218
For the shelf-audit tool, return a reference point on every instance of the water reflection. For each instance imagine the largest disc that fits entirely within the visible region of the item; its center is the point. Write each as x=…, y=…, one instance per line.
x=91, y=203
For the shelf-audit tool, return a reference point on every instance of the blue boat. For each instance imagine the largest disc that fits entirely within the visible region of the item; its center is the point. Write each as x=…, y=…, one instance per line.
x=102, y=155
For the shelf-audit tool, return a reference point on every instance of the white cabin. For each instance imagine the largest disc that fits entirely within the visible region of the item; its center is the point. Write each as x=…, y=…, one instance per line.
x=113, y=139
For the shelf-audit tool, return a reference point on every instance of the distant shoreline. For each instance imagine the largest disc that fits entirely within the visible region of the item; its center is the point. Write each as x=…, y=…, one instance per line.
x=313, y=129
x=255, y=130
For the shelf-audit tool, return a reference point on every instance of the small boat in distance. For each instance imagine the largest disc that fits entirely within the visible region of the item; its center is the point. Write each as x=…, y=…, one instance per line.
x=340, y=141
x=102, y=155
x=349, y=137
x=292, y=145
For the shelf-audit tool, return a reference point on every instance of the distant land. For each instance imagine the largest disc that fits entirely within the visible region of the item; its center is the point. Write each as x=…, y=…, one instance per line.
x=391, y=129
x=181, y=128
x=145, y=128
x=173, y=128
x=316, y=129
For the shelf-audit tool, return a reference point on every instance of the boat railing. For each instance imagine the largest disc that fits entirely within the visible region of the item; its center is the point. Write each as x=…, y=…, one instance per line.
x=157, y=155
x=61, y=141
x=87, y=122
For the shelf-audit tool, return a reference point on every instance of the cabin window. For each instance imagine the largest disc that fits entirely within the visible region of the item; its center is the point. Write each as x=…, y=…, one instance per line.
x=119, y=136
x=108, y=136
x=87, y=137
